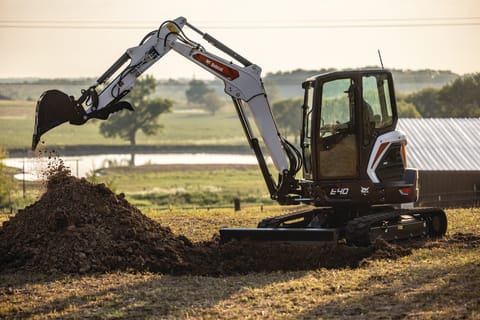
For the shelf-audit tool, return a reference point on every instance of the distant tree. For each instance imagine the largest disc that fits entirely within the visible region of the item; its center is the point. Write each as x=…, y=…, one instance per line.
x=212, y=102
x=426, y=102
x=407, y=110
x=200, y=94
x=272, y=90
x=126, y=124
x=288, y=115
x=461, y=98
x=197, y=89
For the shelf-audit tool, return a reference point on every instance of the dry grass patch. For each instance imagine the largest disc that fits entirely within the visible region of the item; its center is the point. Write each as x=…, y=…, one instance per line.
x=412, y=288
x=438, y=280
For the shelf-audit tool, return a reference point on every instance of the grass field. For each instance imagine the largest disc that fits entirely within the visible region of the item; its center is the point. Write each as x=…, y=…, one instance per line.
x=182, y=128
x=164, y=187
x=188, y=185
x=438, y=280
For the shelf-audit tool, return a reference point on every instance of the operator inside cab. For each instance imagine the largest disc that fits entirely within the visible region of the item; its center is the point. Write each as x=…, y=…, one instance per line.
x=338, y=145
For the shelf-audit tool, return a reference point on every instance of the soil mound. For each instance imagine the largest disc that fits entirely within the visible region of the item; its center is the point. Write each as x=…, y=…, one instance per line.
x=79, y=227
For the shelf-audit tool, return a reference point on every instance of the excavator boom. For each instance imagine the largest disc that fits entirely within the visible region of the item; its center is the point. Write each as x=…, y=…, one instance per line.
x=242, y=82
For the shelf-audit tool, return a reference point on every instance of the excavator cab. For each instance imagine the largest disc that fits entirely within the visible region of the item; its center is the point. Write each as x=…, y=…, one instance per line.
x=351, y=151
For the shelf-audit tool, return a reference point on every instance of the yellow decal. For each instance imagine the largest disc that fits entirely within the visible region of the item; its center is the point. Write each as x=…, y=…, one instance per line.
x=172, y=27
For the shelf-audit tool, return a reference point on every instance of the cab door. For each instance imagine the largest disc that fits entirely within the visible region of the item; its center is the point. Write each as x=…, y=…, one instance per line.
x=306, y=135
x=336, y=136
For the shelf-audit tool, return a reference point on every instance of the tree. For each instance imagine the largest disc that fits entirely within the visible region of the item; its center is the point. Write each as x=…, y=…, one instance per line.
x=461, y=98
x=126, y=124
x=288, y=115
x=272, y=90
x=212, y=102
x=199, y=93
x=407, y=110
x=426, y=102
x=197, y=89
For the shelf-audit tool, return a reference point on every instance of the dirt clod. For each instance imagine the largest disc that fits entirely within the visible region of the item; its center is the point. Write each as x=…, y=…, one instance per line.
x=80, y=227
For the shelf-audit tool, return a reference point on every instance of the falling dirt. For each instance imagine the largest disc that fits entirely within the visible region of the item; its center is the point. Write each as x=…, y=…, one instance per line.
x=80, y=227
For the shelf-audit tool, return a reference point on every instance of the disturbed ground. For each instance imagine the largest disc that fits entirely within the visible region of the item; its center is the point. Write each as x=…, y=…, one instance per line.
x=80, y=227
x=83, y=252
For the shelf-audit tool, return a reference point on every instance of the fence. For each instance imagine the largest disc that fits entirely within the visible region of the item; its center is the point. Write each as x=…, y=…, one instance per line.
x=462, y=199
x=449, y=188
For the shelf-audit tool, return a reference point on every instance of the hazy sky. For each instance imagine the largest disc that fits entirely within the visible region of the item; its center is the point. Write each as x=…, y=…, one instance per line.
x=61, y=38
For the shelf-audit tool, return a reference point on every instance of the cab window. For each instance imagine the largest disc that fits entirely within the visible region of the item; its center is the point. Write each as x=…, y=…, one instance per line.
x=337, y=107
x=376, y=101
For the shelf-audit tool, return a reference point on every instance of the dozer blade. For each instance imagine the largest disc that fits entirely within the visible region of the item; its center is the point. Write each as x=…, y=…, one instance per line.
x=291, y=235
x=53, y=108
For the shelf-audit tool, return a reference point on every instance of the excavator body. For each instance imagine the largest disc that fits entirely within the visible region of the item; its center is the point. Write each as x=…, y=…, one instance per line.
x=353, y=160
x=355, y=171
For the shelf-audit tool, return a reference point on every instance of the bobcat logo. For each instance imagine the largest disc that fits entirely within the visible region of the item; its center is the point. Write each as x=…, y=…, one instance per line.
x=364, y=190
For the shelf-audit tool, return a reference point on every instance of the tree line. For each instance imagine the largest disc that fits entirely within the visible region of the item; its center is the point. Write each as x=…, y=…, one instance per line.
x=460, y=98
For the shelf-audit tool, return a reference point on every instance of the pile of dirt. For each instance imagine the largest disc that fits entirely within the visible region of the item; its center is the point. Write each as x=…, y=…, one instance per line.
x=79, y=227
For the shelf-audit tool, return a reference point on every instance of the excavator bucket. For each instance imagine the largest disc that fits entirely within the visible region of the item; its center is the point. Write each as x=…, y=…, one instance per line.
x=53, y=108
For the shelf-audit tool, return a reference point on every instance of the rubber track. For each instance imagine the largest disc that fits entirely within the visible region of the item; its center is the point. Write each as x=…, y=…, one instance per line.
x=357, y=230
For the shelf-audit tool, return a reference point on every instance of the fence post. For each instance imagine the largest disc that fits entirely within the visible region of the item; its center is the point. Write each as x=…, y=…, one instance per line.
x=236, y=204
x=23, y=179
x=474, y=195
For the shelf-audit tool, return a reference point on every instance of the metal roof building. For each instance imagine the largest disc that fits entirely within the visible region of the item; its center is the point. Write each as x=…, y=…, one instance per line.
x=443, y=144
x=447, y=154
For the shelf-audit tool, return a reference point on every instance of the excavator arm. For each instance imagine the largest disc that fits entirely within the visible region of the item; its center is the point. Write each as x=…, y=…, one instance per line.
x=242, y=82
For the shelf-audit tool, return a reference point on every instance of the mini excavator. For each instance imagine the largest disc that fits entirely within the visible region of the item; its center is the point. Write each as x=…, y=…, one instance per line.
x=353, y=160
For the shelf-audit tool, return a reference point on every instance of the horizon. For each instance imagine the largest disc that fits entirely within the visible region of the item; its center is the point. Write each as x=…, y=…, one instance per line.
x=216, y=79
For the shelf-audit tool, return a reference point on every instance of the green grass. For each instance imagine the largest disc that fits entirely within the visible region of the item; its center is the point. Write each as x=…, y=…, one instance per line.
x=168, y=186
x=164, y=186
x=16, y=123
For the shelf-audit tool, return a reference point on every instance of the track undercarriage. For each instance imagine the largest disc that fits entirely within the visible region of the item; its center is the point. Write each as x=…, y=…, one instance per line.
x=342, y=225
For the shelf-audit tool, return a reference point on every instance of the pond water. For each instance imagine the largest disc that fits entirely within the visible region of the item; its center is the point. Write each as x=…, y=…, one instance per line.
x=81, y=166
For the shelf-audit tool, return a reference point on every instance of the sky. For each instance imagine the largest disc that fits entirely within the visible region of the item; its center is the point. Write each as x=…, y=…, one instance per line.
x=68, y=39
